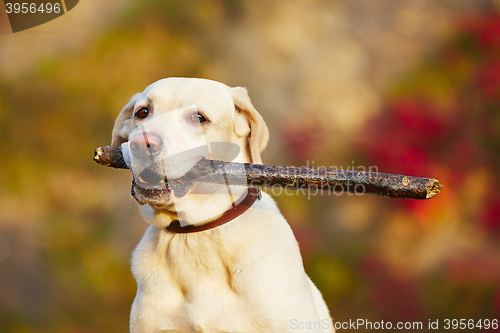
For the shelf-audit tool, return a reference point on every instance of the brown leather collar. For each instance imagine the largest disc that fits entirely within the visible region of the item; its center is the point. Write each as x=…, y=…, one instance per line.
x=232, y=213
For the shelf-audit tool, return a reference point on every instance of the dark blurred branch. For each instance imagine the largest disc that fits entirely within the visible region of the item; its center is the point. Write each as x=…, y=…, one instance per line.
x=293, y=178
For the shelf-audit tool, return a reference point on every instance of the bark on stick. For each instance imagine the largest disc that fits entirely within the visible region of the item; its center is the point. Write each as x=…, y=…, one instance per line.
x=294, y=178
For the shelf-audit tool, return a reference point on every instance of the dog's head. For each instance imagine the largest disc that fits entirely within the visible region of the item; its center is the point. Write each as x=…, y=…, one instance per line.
x=174, y=123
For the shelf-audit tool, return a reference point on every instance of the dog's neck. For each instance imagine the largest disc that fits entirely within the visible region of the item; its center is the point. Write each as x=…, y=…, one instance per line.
x=198, y=208
x=182, y=227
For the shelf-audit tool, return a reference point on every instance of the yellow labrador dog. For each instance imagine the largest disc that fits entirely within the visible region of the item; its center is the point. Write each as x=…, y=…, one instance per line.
x=216, y=257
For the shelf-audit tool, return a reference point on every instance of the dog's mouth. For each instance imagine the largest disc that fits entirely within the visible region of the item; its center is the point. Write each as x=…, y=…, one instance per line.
x=151, y=179
x=150, y=183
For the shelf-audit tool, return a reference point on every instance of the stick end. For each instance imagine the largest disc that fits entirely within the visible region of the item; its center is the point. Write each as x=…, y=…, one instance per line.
x=434, y=188
x=97, y=155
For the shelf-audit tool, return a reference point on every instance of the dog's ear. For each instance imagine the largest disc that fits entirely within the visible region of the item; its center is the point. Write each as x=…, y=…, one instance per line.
x=250, y=123
x=124, y=123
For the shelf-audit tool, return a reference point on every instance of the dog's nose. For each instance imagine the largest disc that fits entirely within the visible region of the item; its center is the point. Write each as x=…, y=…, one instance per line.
x=145, y=144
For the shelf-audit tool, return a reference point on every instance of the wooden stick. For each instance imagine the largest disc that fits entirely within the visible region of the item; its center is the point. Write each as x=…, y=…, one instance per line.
x=293, y=178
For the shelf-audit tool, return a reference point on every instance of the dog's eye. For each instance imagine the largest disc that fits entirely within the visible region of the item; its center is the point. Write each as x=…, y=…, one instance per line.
x=142, y=113
x=198, y=118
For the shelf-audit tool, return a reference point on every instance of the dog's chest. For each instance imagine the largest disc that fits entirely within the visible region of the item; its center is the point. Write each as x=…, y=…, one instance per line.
x=197, y=260
x=187, y=280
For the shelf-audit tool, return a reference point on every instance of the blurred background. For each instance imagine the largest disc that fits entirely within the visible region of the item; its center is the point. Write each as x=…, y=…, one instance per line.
x=411, y=87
